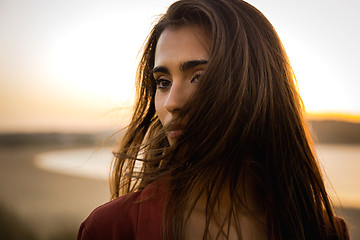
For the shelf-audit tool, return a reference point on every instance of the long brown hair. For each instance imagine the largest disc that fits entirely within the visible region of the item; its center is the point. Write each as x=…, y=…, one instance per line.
x=246, y=120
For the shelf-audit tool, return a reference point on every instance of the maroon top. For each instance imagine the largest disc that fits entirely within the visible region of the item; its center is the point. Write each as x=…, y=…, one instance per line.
x=137, y=216
x=134, y=216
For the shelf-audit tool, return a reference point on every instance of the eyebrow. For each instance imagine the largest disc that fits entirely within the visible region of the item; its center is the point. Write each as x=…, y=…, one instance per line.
x=184, y=66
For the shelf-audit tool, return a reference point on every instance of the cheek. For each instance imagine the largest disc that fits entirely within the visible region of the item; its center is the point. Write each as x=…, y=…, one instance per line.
x=159, y=108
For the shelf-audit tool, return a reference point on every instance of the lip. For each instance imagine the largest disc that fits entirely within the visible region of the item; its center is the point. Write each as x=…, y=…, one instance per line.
x=175, y=133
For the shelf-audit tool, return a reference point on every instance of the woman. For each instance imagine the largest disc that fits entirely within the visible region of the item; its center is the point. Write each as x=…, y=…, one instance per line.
x=217, y=147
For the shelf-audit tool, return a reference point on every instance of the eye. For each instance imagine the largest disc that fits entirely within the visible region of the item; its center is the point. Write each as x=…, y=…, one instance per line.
x=162, y=83
x=196, y=77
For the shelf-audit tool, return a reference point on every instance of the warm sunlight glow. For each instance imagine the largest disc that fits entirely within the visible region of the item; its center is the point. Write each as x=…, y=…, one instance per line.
x=94, y=59
x=318, y=83
x=72, y=65
x=334, y=116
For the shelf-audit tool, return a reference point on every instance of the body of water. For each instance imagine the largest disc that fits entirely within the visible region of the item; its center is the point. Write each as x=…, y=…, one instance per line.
x=84, y=162
x=340, y=164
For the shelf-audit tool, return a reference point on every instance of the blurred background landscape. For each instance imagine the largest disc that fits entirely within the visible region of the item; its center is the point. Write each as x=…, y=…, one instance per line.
x=67, y=70
x=50, y=182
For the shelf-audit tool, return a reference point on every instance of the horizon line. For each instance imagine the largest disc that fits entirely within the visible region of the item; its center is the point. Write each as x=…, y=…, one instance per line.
x=336, y=116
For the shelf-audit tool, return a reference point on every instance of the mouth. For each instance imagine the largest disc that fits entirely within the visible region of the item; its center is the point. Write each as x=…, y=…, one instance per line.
x=175, y=131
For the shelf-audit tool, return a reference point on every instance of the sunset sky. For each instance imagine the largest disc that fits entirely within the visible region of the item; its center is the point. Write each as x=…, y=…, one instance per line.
x=69, y=65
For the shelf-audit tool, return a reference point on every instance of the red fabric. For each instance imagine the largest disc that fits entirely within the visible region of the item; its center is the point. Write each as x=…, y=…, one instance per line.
x=138, y=216
x=134, y=216
x=343, y=227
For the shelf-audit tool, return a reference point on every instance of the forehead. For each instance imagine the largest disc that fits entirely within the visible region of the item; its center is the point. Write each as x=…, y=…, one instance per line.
x=181, y=44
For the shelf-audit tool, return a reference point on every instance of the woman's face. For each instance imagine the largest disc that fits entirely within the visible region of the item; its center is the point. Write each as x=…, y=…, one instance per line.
x=180, y=59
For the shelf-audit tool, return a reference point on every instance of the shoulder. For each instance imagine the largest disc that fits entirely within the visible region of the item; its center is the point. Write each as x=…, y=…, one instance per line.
x=343, y=229
x=118, y=217
x=133, y=215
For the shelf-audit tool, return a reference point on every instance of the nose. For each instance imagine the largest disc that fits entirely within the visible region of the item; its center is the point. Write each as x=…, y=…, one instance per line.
x=176, y=98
